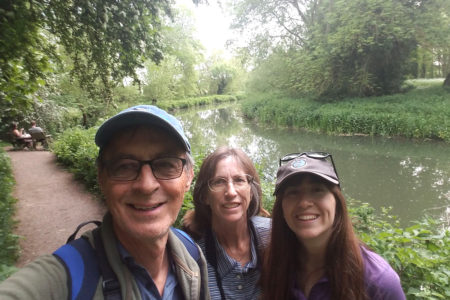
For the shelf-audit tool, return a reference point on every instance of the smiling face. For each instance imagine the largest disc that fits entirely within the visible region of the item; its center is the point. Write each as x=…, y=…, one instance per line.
x=309, y=209
x=144, y=208
x=231, y=204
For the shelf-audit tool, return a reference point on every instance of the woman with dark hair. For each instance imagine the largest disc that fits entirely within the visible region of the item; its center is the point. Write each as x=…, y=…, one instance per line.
x=314, y=252
x=227, y=200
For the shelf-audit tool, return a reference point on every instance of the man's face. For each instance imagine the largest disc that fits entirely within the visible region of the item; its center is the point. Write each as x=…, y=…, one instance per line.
x=145, y=208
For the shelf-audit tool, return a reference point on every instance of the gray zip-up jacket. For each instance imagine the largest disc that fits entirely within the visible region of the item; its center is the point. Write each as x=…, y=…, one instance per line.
x=46, y=277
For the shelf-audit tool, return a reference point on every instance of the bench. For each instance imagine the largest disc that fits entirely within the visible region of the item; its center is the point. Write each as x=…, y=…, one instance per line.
x=20, y=143
x=40, y=137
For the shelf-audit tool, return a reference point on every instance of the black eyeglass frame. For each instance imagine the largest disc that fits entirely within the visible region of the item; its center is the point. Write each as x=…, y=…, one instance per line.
x=312, y=154
x=108, y=164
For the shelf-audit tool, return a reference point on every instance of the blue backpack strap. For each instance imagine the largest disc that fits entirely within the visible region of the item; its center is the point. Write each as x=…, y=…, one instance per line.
x=80, y=261
x=188, y=243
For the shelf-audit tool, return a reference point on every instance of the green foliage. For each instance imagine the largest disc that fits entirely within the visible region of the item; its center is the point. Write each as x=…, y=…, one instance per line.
x=342, y=48
x=197, y=101
x=24, y=54
x=107, y=40
x=359, y=47
x=75, y=148
x=9, y=246
x=418, y=253
x=420, y=113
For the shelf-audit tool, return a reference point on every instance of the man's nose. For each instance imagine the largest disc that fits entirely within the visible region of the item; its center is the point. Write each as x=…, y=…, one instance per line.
x=146, y=181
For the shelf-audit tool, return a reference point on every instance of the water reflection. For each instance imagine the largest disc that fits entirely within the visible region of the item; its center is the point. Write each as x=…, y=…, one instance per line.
x=412, y=177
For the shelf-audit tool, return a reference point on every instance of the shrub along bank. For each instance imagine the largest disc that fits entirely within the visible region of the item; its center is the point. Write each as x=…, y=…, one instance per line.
x=418, y=253
x=9, y=246
x=423, y=112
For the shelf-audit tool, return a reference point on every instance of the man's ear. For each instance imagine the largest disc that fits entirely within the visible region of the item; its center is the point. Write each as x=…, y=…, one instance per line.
x=190, y=177
x=100, y=179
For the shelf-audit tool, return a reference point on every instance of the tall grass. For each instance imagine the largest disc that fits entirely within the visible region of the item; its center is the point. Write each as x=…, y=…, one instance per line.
x=423, y=112
x=9, y=246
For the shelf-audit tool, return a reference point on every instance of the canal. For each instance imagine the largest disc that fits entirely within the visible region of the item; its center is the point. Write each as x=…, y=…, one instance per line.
x=412, y=177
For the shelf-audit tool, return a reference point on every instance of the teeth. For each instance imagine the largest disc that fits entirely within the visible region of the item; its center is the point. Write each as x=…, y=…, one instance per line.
x=145, y=207
x=231, y=205
x=307, y=218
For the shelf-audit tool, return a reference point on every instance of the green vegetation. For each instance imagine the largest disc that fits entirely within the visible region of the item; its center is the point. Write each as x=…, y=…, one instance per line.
x=343, y=47
x=423, y=112
x=76, y=150
x=9, y=246
x=418, y=253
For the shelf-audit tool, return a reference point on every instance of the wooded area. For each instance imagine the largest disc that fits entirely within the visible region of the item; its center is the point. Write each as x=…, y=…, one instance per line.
x=70, y=62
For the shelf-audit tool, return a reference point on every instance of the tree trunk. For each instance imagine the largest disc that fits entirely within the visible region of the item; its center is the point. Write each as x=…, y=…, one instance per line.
x=447, y=80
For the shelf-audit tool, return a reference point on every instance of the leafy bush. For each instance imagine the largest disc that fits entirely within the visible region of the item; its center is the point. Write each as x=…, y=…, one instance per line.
x=75, y=149
x=418, y=253
x=9, y=247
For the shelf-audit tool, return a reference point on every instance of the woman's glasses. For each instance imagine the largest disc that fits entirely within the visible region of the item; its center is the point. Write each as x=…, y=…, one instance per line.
x=220, y=184
x=315, y=155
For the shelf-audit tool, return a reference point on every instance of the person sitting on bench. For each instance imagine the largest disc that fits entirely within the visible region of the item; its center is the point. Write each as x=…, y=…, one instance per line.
x=20, y=137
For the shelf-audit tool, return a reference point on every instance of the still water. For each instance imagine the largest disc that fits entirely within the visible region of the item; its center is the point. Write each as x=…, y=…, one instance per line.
x=411, y=177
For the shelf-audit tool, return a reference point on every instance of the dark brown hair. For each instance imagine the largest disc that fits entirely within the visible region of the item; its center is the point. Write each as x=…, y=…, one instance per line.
x=344, y=265
x=196, y=221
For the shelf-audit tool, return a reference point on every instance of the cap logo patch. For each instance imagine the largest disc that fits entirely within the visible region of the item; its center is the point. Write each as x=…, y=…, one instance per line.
x=299, y=164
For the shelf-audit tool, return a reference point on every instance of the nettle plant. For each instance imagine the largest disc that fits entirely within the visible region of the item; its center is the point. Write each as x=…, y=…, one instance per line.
x=418, y=253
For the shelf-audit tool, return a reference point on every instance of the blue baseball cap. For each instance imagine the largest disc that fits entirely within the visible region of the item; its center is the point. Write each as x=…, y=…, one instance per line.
x=141, y=115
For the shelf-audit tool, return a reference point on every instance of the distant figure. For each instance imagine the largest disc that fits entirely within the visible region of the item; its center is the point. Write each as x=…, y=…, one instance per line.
x=38, y=135
x=21, y=137
x=34, y=128
x=19, y=134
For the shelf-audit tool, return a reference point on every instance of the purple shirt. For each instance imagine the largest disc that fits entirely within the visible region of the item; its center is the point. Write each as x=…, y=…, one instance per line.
x=382, y=283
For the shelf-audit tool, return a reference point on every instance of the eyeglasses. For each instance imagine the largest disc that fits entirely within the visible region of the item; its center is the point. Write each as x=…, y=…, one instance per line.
x=220, y=184
x=315, y=155
x=128, y=169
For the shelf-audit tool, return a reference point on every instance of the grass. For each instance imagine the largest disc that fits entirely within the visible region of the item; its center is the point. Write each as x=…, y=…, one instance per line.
x=423, y=112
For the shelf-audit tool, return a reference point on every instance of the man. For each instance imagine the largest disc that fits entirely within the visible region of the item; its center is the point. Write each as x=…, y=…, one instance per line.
x=34, y=128
x=144, y=168
x=38, y=135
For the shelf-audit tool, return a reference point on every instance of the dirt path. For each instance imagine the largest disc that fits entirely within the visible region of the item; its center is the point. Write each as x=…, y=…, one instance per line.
x=50, y=203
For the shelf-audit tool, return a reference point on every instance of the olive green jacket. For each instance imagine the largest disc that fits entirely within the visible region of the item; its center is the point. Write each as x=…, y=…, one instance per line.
x=46, y=277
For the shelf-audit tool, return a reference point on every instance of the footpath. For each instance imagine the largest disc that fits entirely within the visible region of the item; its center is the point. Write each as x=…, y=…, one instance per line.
x=50, y=203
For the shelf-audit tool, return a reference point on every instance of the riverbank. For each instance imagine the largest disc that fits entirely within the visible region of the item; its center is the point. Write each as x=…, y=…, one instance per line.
x=423, y=113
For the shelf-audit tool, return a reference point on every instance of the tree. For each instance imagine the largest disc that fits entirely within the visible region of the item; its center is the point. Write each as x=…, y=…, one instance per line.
x=107, y=39
x=24, y=56
x=338, y=47
x=176, y=76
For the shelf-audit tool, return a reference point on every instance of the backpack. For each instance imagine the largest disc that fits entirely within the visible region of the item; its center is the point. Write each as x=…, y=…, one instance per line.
x=85, y=264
